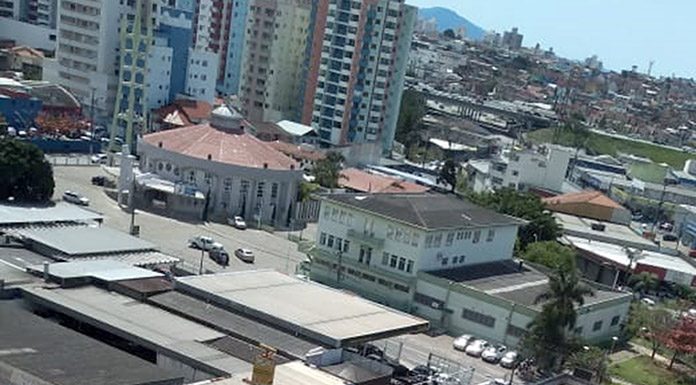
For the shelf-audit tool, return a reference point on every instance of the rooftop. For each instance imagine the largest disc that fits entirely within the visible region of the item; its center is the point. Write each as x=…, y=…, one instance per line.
x=588, y=196
x=53, y=354
x=84, y=240
x=104, y=270
x=306, y=308
x=615, y=233
x=429, y=211
x=204, y=141
x=370, y=181
x=297, y=151
x=151, y=327
x=293, y=128
x=12, y=215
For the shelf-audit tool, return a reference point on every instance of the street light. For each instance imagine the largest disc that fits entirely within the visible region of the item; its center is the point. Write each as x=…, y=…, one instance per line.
x=614, y=339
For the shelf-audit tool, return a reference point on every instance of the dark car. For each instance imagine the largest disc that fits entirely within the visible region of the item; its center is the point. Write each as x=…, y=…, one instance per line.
x=220, y=256
x=98, y=180
x=669, y=238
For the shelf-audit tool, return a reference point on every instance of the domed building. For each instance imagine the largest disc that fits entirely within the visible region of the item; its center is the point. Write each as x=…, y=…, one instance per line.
x=217, y=170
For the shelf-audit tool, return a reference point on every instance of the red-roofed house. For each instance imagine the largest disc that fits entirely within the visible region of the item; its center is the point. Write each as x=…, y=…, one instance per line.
x=181, y=113
x=589, y=204
x=362, y=181
x=303, y=155
x=219, y=161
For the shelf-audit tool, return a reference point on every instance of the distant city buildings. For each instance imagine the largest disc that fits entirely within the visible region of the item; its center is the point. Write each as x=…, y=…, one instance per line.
x=512, y=39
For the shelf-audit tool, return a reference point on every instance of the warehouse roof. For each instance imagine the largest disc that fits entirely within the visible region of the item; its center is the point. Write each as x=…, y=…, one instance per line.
x=314, y=311
x=84, y=240
x=429, y=211
x=154, y=328
x=60, y=356
x=233, y=323
x=616, y=233
x=60, y=212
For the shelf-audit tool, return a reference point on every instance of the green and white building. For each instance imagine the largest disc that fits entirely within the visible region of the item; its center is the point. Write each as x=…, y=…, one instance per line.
x=445, y=259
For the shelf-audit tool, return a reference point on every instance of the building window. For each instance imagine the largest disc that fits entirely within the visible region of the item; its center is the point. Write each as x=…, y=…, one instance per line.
x=365, y=254
x=402, y=264
x=578, y=330
x=385, y=259
x=462, y=258
x=403, y=288
x=445, y=260
x=467, y=235
x=615, y=320
x=393, y=261
x=437, y=240
x=339, y=243
x=491, y=235
x=192, y=176
x=428, y=241
x=259, y=189
x=597, y=326
x=477, y=236
x=227, y=184
x=208, y=178
x=428, y=301
x=330, y=242
x=450, y=239
x=460, y=235
x=346, y=246
x=322, y=239
x=409, y=266
x=274, y=191
x=479, y=318
x=515, y=331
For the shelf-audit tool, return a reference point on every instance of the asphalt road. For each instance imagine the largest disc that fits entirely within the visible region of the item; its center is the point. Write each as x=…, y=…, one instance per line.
x=272, y=251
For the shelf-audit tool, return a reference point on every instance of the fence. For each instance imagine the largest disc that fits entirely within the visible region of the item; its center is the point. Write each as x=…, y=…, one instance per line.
x=71, y=160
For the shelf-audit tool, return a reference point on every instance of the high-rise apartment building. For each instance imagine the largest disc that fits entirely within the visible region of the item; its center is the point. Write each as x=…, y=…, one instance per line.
x=39, y=12
x=512, y=39
x=10, y=9
x=211, y=30
x=275, y=49
x=355, y=91
x=229, y=84
x=86, y=59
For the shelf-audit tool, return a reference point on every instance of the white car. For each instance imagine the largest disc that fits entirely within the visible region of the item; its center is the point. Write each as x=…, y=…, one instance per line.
x=237, y=222
x=245, y=255
x=461, y=342
x=76, y=198
x=647, y=301
x=99, y=158
x=493, y=354
x=508, y=360
x=476, y=348
x=204, y=243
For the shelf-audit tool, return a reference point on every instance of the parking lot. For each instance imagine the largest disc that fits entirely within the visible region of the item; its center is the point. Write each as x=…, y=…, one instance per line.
x=271, y=250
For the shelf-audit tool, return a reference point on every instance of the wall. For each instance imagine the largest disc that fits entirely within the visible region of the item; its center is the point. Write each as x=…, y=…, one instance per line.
x=190, y=374
x=201, y=75
x=31, y=35
x=175, y=25
x=159, y=74
x=230, y=83
x=589, y=314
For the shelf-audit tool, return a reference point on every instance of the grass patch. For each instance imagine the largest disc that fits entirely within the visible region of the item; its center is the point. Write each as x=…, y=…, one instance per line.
x=644, y=371
x=602, y=144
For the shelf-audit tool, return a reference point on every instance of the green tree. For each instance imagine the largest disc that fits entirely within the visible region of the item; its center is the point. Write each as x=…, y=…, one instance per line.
x=448, y=174
x=651, y=324
x=549, y=340
x=409, y=125
x=642, y=282
x=327, y=171
x=593, y=359
x=681, y=338
x=449, y=34
x=541, y=224
x=550, y=254
x=307, y=189
x=25, y=174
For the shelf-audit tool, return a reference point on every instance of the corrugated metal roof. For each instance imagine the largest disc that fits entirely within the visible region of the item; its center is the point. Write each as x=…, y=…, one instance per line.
x=60, y=212
x=103, y=270
x=149, y=258
x=84, y=240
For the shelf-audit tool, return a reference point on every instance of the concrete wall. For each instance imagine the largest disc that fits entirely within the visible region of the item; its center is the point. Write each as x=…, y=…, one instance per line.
x=190, y=374
x=31, y=35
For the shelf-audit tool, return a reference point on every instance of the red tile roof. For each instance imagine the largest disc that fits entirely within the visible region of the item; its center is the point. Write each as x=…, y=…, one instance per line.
x=363, y=181
x=587, y=196
x=191, y=111
x=239, y=149
x=297, y=152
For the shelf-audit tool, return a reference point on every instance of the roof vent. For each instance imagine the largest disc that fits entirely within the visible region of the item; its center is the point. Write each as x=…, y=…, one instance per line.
x=292, y=166
x=210, y=157
x=159, y=144
x=265, y=165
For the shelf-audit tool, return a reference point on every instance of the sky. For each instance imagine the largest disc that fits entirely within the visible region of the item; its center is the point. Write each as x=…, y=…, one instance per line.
x=621, y=32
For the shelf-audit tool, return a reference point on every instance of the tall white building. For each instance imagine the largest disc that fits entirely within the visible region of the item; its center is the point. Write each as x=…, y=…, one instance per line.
x=10, y=9
x=86, y=59
x=355, y=92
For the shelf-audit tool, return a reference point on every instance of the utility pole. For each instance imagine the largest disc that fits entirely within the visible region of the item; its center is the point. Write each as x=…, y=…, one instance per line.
x=200, y=268
x=91, y=122
x=340, y=266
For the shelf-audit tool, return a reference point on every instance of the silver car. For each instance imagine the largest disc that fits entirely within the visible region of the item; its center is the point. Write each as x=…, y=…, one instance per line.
x=73, y=197
x=461, y=342
x=493, y=354
x=509, y=359
x=476, y=348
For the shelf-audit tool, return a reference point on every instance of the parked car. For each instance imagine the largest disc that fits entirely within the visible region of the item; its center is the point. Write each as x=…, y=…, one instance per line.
x=692, y=253
x=98, y=180
x=462, y=341
x=99, y=158
x=204, y=243
x=648, y=301
x=245, y=255
x=476, y=348
x=237, y=222
x=220, y=256
x=493, y=354
x=670, y=238
x=76, y=198
x=508, y=359
x=666, y=226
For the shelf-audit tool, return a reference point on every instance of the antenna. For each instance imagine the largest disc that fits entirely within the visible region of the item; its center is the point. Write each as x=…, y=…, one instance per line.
x=650, y=67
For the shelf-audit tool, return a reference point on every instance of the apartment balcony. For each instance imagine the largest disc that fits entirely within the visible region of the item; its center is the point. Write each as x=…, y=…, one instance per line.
x=367, y=238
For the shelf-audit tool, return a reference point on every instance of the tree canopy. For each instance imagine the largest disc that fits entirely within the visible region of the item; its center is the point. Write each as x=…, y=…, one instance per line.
x=682, y=338
x=542, y=225
x=652, y=324
x=409, y=124
x=550, y=254
x=448, y=174
x=449, y=34
x=25, y=174
x=327, y=171
x=643, y=282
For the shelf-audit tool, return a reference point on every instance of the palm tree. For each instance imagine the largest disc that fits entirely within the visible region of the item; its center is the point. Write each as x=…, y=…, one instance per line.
x=642, y=282
x=328, y=170
x=565, y=291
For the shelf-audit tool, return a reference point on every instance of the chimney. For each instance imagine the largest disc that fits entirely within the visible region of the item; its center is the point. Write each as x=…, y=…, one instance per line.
x=46, y=271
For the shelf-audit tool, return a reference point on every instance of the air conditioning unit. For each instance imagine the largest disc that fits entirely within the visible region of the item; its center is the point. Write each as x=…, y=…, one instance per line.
x=435, y=305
